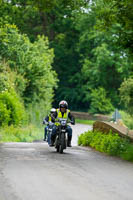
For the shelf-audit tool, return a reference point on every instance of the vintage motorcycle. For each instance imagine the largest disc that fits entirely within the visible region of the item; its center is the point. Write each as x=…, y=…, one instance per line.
x=61, y=137
x=49, y=132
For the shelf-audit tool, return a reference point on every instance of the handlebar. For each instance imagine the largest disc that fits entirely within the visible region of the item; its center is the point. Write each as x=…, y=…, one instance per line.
x=66, y=121
x=50, y=123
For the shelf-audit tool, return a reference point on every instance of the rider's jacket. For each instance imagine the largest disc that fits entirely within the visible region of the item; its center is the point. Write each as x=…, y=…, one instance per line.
x=61, y=115
x=50, y=119
x=66, y=115
x=47, y=119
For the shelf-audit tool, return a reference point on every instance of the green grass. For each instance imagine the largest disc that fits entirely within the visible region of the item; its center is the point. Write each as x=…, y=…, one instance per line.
x=83, y=121
x=21, y=134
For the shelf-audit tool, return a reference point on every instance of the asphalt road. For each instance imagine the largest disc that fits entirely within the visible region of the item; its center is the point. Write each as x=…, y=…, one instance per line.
x=34, y=171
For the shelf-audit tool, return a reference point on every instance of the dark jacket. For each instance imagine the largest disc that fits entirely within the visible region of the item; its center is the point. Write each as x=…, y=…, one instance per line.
x=46, y=119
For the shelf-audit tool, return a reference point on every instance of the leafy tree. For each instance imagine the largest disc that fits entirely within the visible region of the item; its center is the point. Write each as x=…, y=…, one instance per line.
x=102, y=63
x=116, y=16
x=107, y=69
x=32, y=61
x=99, y=102
x=86, y=57
x=39, y=17
x=57, y=22
x=126, y=94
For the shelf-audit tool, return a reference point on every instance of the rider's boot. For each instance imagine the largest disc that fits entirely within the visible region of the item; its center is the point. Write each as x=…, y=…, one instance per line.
x=51, y=144
x=52, y=141
x=45, y=134
x=69, y=141
x=44, y=139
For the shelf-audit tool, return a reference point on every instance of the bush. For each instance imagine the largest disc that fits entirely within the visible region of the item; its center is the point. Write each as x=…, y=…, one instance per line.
x=11, y=109
x=4, y=114
x=111, y=144
x=128, y=154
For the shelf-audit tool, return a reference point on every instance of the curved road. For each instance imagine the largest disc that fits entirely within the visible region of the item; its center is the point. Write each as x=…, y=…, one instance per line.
x=34, y=171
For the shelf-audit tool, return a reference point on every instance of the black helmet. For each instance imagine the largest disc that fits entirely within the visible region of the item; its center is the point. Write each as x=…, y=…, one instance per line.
x=63, y=104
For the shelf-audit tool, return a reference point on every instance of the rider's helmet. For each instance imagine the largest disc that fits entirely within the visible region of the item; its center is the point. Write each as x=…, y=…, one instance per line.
x=63, y=104
x=53, y=110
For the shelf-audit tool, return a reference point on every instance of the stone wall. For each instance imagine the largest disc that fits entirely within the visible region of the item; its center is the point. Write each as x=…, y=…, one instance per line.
x=105, y=127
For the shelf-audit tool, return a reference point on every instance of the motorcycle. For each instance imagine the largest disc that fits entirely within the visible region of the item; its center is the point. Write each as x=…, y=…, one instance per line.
x=49, y=132
x=61, y=137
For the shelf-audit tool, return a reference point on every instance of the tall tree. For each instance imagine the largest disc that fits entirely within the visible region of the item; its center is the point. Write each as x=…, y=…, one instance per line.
x=103, y=63
x=32, y=61
x=126, y=94
x=116, y=16
x=86, y=56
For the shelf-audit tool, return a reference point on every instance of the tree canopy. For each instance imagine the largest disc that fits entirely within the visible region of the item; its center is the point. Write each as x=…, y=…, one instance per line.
x=86, y=44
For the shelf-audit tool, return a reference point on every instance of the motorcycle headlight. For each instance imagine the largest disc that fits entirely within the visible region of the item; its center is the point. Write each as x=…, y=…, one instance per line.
x=63, y=123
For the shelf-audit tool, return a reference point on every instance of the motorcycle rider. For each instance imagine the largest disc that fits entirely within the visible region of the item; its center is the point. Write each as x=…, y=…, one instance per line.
x=62, y=112
x=47, y=119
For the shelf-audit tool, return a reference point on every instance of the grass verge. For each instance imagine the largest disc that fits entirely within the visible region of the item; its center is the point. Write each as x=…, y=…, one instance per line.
x=112, y=144
x=20, y=134
x=83, y=121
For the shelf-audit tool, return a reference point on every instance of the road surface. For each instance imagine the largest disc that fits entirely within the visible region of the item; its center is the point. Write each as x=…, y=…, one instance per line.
x=34, y=171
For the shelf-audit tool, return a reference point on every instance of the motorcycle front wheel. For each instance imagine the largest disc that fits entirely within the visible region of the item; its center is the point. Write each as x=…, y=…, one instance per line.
x=62, y=143
x=57, y=148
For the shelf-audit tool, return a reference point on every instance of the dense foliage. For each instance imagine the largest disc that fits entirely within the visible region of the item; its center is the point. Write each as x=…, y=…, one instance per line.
x=126, y=94
x=127, y=119
x=31, y=60
x=20, y=134
x=88, y=44
x=12, y=110
x=111, y=144
x=32, y=74
x=99, y=102
x=116, y=16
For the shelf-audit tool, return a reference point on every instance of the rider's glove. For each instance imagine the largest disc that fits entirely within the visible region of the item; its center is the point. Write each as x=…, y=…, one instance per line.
x=53, y=119
x=45, y=122
x=72, y=122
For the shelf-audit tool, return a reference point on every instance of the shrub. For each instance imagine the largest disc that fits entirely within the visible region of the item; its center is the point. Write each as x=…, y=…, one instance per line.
x=11, y=109
x=111, y=144
x=4, y=114
x=128, y=154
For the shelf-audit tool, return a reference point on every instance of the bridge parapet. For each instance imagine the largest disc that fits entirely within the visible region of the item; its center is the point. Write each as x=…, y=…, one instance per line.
x=105, y=127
